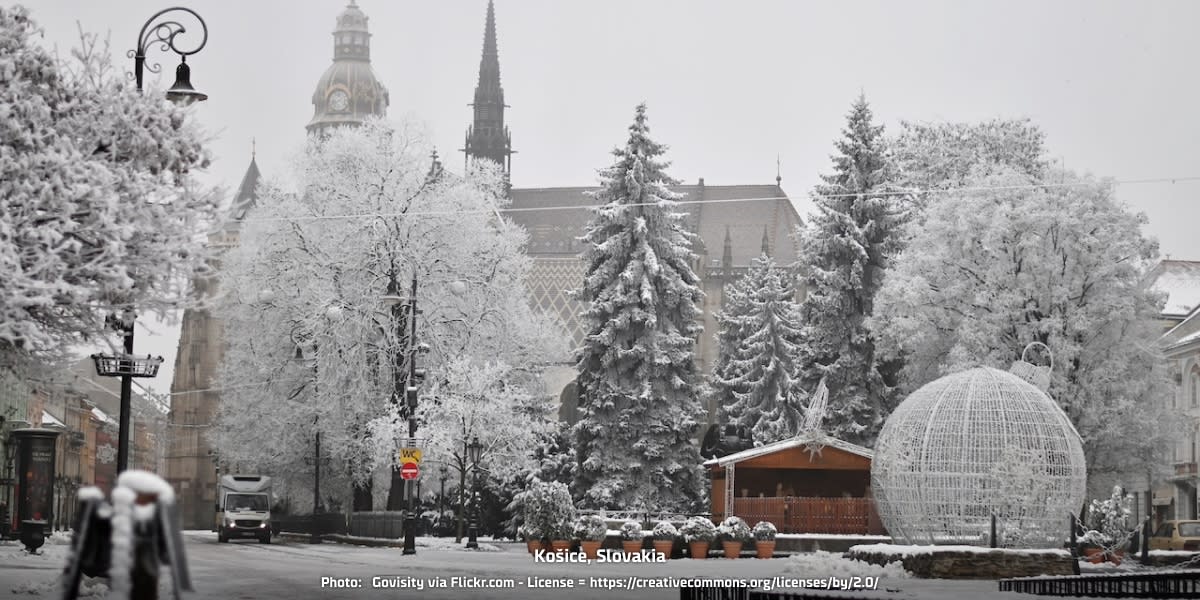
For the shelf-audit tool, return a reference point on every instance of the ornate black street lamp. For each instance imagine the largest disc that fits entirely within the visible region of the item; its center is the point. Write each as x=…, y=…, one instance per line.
x=163, y=33
x=474, y=450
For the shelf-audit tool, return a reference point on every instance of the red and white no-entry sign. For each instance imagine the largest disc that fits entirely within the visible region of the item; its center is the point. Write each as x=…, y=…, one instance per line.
x=409, y=470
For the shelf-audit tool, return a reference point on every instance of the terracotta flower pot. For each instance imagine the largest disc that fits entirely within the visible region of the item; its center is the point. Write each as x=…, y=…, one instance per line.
x=664, y=547
x=631, y=546
x=560, y=546
x=590, y=548
x=534, y=546
x=698, y=549
x=732, y=549
x=765, y=549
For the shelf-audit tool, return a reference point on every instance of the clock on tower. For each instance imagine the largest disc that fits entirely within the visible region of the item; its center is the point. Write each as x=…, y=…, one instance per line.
x=338, y=100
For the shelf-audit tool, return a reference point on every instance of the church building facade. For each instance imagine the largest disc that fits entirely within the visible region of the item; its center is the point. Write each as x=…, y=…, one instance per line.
x=734, y=224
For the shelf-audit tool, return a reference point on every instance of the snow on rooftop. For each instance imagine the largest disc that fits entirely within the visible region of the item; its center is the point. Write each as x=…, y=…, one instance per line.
x=801, y=440
x=1180, y=279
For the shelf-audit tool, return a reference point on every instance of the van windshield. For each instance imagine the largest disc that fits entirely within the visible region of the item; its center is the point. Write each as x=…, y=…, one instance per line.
x=238, y=502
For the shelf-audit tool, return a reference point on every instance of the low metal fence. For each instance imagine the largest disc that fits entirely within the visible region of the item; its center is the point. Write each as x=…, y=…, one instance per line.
x=377, y=524
x=326, y=523
x=1169, y=584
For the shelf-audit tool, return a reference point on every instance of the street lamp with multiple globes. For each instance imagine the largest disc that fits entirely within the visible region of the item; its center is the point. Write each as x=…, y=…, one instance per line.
x=474, y=451
x=126, y=366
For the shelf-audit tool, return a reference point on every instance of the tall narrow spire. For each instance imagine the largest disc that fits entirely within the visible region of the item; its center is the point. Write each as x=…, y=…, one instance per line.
x=488, y=137
x=766, y=242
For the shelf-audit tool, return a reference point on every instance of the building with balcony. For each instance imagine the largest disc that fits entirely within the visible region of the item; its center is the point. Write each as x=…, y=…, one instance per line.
x=1176, y=498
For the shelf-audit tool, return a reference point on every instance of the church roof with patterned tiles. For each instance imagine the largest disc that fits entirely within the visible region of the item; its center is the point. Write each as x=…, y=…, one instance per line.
x=555, y=232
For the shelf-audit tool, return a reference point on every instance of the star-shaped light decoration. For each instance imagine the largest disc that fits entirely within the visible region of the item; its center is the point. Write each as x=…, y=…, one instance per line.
x=813, y=419
x=106, y=454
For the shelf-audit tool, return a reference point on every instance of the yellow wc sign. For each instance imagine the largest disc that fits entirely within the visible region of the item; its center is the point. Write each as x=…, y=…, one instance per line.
x=409, y=455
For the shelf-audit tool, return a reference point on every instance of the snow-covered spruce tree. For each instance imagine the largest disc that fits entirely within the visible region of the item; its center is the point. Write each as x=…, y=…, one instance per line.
x=761, y=334
x=992, y=270
x=97, y=207
x=731, y=330
x=304, y=270
x=844, y=250
x=637, y=382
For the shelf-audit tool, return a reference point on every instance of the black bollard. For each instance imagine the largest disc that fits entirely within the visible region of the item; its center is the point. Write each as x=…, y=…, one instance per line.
x=993, y=530
x=1074, y=544
x=1146, y=541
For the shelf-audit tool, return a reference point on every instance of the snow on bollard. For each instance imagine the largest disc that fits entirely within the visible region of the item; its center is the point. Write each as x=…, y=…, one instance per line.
x=127, y=538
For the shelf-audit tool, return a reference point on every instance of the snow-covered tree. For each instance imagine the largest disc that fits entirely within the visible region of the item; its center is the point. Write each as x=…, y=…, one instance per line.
x=482, y=401
x=637, y=383
x=992, y=270
x=845, y=248
x=940, y=156
x=761, y=331
x=97, y=207
x=371, y=211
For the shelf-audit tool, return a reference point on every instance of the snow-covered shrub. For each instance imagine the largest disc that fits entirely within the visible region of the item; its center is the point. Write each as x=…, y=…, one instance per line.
x=734, y=529
x=1108, y=522
x=764, y=531
x=698, y=529
x=664, y=531
x=550, y=510
x=530, y=533
x=831, y=564
x=631, y=531
x=591, y=528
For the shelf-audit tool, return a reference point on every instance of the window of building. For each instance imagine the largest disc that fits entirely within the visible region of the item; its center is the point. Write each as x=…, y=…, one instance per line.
x=1195, y=386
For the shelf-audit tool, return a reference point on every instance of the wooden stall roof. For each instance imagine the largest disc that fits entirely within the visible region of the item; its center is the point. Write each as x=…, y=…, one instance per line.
x=794, y=454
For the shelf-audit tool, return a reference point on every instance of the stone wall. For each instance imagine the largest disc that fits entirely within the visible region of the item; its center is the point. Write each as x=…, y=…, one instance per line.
x=970, y=564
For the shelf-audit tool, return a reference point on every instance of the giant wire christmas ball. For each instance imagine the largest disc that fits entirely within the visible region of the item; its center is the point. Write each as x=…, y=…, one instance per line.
x=972, y=444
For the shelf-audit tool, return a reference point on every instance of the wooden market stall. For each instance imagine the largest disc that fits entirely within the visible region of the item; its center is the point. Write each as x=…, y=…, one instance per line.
x=809, y=484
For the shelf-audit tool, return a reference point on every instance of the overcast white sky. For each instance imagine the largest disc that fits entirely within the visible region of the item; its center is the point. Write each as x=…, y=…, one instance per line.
x=730, y=85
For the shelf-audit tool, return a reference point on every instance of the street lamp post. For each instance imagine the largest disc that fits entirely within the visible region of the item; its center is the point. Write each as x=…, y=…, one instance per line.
x=314, y=536
x=443, y=472
x=474, y=450
x=162, y=32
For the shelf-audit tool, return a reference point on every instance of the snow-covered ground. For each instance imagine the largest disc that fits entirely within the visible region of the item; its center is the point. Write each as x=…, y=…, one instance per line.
x=291, y=570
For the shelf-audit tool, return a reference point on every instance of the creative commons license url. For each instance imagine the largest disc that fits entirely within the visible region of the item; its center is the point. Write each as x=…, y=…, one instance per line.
x=606, y=583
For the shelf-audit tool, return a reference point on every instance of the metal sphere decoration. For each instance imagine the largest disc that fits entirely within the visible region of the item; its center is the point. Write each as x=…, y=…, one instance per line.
x=972, y=444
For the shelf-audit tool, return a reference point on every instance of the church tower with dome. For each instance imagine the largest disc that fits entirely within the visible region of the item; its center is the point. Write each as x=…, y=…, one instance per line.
x=348, y=92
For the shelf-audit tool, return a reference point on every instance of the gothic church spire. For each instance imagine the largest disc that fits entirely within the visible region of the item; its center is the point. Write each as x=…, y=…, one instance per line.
x=488, y=137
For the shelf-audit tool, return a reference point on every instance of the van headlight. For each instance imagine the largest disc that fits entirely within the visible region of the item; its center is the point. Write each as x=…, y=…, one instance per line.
x=263, y=525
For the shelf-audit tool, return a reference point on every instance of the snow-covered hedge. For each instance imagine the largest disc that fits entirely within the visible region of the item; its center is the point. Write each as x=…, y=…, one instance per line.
x=549, y=510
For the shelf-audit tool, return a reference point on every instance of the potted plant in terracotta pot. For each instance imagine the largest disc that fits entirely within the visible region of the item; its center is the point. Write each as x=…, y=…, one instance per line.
x=591, y=530
x=733, y=533
x=1108, y=532
x=533, y=538
x=764, y=538
x=698, y=533
x=550, y=512
x=665, y=535
x=631, y=537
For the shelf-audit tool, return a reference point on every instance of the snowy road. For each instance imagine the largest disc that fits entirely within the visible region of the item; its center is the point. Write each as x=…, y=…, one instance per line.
x=293, y=571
